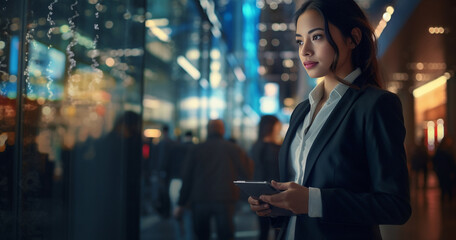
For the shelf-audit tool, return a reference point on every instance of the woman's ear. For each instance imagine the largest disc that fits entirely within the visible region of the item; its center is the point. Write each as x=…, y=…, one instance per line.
x=355, y=37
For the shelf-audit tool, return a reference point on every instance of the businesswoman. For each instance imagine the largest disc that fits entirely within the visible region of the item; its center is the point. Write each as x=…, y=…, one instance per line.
x=342, y=163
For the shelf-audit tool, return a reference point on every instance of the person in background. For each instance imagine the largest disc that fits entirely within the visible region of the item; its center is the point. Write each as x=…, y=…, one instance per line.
x=184, y=229
x=163, y=157
x=419, y=162
x=444, y=167
x=342, y=164
x=207, y=186
x=265, y=154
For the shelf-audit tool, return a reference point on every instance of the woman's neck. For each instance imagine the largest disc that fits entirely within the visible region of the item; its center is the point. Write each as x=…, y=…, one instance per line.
x=328, y=85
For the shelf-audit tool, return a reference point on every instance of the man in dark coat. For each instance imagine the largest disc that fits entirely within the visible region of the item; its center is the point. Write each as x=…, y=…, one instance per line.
x=208, y=187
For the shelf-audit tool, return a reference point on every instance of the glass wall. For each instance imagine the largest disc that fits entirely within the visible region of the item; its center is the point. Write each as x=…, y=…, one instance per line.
x=86, y=87
x=70, y=118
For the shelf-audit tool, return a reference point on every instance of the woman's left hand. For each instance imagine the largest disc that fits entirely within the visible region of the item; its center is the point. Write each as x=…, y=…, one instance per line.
x=294, y=197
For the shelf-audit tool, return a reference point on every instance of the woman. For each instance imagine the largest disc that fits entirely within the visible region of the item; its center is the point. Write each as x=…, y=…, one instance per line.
x=342, y=163
x=265, y=154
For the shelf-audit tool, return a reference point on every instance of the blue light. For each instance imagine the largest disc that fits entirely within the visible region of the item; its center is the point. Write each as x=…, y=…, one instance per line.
x=250, y=39
x=14, y=55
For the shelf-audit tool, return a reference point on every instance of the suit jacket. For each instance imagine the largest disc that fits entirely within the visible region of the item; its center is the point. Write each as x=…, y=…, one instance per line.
x=358, y=161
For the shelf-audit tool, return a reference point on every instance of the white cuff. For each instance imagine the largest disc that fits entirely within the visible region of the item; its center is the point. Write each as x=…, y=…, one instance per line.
x=315, y=205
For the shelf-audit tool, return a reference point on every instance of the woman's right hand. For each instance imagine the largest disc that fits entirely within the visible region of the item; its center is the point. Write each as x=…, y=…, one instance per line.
x=261, y=208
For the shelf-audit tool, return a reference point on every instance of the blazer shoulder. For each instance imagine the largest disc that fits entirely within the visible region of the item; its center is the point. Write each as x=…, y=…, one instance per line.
x=374, y=95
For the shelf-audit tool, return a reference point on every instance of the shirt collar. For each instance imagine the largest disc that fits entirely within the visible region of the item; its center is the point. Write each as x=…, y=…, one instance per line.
x=340, y=89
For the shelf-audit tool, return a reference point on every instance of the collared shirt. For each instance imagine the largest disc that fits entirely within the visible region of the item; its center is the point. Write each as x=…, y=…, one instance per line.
x=305, y=136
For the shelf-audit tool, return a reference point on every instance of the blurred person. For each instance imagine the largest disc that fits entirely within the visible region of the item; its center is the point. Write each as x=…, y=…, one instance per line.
x=342, y=164
x=184, y=224
x=265, y=154
x=419, y=162
x=163, y=157
x=444, y=167
x=208, y=187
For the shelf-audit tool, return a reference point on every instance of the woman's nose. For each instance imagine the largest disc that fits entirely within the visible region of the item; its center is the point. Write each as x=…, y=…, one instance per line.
x=306, y=49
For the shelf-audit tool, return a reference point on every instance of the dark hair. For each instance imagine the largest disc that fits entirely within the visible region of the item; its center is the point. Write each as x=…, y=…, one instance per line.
x=347, y=15
x=267, y=123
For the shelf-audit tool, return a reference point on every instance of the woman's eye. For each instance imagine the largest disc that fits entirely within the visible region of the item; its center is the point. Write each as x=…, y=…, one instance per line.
x=299, y=42
x=317, y=37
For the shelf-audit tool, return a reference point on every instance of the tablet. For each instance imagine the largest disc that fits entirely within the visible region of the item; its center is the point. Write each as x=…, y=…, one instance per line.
x=257, y=188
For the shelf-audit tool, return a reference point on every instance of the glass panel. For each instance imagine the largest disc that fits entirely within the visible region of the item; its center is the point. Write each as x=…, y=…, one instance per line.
x=10, y=25
x=79, y=132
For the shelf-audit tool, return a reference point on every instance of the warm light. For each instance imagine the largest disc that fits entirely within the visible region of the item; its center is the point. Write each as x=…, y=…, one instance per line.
x=420, y=66
x=419, y=77
x=153, y=25
x=214, y=115
x=263, y=42
x=390, y=10
x=188, y=67
x=216, y=103
x=215, y=66
x=215, y=79
x=428, y=87
x=261, y=70
x=157, y=22
x=46, y=110
x=283, y=27
x=160, y=34
x=275, y=27
x=430, y=135
x=215, y=54
x=193, y=54
x=440, y=129
x=273, y=5
x=41, y=100
x=64, y=28
x=262, y=27
x=386, y=16
x=110, y=62
x=151, y=103
x=191, y=103
x=275, y=42
x=152, y=133
x=271, y=89
x=288, y=63
x=288, y=102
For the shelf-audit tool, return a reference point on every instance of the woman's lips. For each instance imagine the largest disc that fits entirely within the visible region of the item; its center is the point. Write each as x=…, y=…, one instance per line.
x=309, y=65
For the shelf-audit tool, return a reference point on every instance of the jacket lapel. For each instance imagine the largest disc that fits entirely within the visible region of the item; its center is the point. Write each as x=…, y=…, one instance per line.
x=329, y=128
x=285, y=149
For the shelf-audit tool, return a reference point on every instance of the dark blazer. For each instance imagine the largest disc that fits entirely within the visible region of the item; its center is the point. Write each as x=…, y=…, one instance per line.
x=358, y=161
